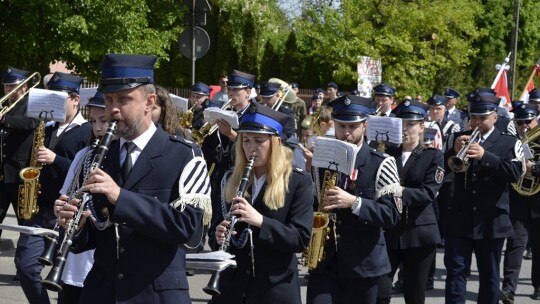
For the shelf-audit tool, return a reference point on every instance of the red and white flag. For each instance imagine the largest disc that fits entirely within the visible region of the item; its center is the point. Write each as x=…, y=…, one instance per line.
x=530, y=85
x=501, y=89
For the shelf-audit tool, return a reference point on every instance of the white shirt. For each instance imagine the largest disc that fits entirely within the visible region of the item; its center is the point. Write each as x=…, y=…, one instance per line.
x=140, y=142
x=257, y=185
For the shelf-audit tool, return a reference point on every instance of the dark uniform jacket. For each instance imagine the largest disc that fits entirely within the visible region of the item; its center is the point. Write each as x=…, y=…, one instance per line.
x=480, y=208
x=149, y=264
x=422, y=177
x=198, y=117
x=17, y=134
x=284, y=233
x=361, y=247
x=52, y=176
x=290, y=126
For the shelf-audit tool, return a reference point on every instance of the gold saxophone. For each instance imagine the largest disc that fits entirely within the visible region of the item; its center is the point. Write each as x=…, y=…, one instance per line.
x=186, y=119
x=29, y=190
x=314, y=254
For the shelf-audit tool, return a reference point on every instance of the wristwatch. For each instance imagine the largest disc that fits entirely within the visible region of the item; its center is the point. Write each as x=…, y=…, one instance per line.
x=356, y=203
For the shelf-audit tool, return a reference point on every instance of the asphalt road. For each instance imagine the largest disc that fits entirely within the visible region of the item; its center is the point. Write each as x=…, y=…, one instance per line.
x=11, y=292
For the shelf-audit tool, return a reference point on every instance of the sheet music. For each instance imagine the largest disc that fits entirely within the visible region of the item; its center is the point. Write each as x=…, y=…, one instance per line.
x=214, y=260
x=85, y=94
x=47, y=105
x=211, y=114
x=388, y=129
x=527, y=151
x=180, y=102
x=219, y=255
x=28, y=230
x=334, y=154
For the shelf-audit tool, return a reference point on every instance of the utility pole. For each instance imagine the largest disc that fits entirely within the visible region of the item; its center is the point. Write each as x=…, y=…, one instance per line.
x=514, y=47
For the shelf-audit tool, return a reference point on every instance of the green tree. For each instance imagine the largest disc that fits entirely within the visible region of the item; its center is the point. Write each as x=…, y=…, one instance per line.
x=80, y=32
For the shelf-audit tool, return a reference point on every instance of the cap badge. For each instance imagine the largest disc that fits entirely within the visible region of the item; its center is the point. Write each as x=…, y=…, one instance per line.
x=347, y=101
x=9, y=70
x=56, y=78
x=523, y=106
x=407, y=103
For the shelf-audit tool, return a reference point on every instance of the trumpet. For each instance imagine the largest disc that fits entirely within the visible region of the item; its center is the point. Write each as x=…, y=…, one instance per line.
x=35, y=77
x=460, y=162
x=213, y=285
x=186, y=119
x=52, y=281
x=207, y=128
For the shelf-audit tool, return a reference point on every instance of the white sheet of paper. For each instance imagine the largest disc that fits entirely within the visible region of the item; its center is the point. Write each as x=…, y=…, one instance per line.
x=527, y=151
x=180, y=102
x=334, y=154
x=388, y=129
x=219, y=255
x=47, y=105
x=211, y=114
x=85, y=94
x=28, y=230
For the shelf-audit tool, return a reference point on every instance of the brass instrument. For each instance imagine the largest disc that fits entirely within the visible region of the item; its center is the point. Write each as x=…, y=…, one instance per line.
x=36, y=77
x=186, y=119
x=460, y=162
x=213, y=285
x=315, y=254
x=287, y=93
x=53, y=280
x=29, y=190
x=529, y=185
x=207, y=128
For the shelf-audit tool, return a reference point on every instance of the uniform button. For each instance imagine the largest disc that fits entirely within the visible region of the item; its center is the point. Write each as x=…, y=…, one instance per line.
x=120, y=276
x=339, y=222
x=249, y=254
x=474, y=192
x=248, y=272
x=338, y=236
x=474, y=208
x=122, y=249
x=365, y=223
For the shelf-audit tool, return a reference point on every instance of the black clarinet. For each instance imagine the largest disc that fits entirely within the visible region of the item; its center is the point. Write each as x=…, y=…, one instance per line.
x=213, y=285
x=53, y=280
x=51, y=241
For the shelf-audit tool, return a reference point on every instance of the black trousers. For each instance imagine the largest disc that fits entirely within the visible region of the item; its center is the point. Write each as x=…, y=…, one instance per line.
x=416, y=266
x=513, y=255
x=9, y=194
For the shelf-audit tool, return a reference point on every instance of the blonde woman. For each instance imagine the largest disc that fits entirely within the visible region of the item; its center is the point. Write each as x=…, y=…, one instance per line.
x=278, y=209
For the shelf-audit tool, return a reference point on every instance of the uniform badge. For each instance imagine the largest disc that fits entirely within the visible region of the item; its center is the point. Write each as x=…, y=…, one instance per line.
x=105, y=212
x=347, y=101
x=439, y=175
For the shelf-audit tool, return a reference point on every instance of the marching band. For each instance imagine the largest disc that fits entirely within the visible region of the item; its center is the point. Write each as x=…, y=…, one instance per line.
x=151, y=186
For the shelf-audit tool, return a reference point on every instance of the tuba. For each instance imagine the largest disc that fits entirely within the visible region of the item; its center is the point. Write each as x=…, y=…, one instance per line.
x=314, y=254
x=529, y=185
x=29, y=190
x=460, y=162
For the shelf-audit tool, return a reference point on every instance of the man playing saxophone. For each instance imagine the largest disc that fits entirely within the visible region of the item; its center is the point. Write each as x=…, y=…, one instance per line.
x=61, y=141
x=16, y=134
x=524, y=208
x=364, y=203
x=477, y=218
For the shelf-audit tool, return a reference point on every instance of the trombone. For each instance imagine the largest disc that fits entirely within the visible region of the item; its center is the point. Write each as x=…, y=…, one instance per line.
x=6, y=107
x=288, y=94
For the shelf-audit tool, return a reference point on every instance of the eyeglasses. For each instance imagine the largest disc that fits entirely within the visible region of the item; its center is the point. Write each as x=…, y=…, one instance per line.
x=523, y=122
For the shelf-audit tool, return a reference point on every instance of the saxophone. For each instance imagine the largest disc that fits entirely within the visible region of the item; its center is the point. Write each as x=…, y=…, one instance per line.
x=29, y=190
x=314, y=254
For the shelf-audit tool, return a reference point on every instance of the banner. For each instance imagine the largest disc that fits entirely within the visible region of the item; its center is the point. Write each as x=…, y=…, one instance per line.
x=501, y=89
x=369, y=74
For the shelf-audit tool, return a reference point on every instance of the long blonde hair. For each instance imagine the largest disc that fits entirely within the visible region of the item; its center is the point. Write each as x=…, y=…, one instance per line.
x=277, y=176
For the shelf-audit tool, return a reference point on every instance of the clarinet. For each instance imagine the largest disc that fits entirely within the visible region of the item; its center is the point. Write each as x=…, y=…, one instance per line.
x=213, y=285
x=51, y=242
x=52, y=281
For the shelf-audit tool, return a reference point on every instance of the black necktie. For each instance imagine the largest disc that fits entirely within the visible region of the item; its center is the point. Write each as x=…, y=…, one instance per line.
x=128, y=163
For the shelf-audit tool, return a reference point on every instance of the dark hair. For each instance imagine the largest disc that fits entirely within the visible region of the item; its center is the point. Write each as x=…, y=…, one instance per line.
x=168, y=117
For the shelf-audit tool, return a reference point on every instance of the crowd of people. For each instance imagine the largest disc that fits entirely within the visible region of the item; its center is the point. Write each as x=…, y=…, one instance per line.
x=169, y=183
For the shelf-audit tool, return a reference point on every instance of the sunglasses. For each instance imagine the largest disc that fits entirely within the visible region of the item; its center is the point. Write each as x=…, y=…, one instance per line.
x=523, y=122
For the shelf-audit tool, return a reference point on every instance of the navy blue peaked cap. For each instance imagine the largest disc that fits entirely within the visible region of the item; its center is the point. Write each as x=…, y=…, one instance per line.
x=524, y=111
x=201, y=88
x=121, y=72
x=451, y=93
x=238, y=80
x=268, y=89
x=350, y=108
x=411, y=110
x=384, y=89
x=436, y=100
x=14, y=76
x=98, y=100
x=65, y=82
